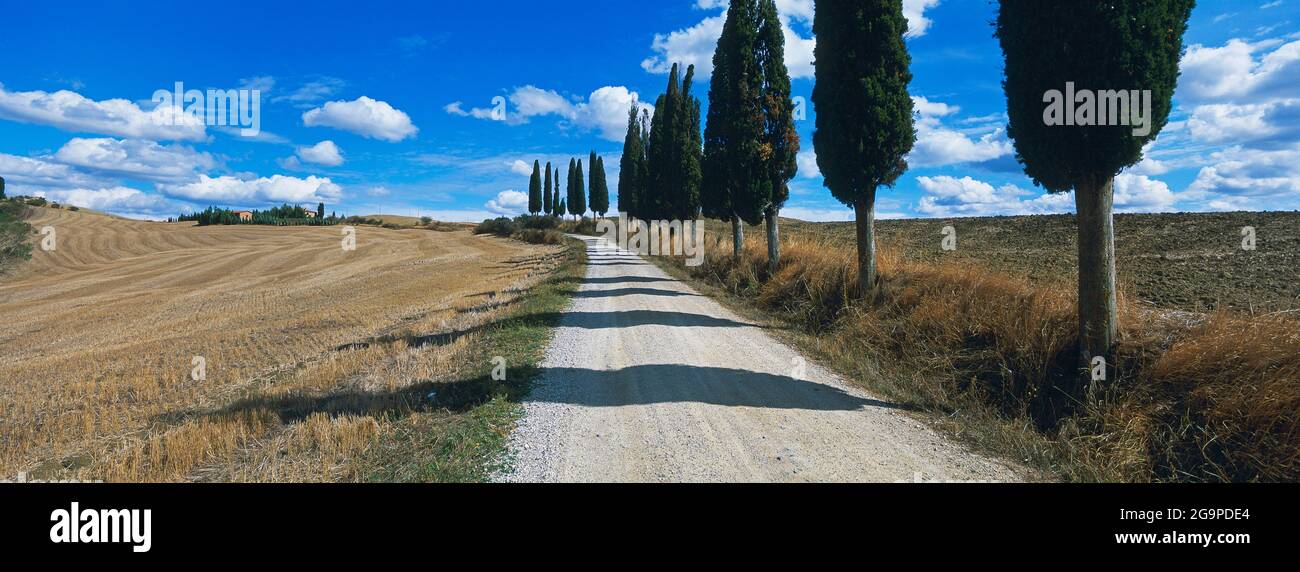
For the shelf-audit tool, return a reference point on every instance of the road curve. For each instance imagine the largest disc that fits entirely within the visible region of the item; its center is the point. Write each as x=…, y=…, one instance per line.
x=648, y=381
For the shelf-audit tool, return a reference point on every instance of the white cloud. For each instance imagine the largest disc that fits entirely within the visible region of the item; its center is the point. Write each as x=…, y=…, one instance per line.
x=508, y=203
x=1272, y=177
x=519, y=167
x=24, y=175
x=807, y=161
x=229, y=190
x=966, y=197
x=323, y=153
x=364, y=116
x=121, y=201
x=1139, y=193
x=1234, y=74
x=938, y=145
x=604, y=111
x=70, y=111
x=136, y=159
x=695, y=45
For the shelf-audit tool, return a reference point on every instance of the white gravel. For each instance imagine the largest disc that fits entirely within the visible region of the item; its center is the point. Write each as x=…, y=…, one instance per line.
x=647, y=381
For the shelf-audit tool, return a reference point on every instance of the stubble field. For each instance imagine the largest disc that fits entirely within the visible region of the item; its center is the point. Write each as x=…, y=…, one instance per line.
x=306, y=347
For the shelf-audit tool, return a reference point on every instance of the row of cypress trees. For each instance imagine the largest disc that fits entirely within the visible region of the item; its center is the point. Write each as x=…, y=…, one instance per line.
x=544, y=190
x=739, y=169
x=866, y=127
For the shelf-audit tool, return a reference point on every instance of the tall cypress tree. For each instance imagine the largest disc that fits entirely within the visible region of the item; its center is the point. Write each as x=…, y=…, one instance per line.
x=688, y=152
x=2, y=187
x=737, y=186
x=629, y=165
x=555, y=201
x=864, y=113
x=535, y=189
x=1114, y=45
x=578, y=194
x=546, y=192
x=657, y=174
x=599, y=188
x=781, y=142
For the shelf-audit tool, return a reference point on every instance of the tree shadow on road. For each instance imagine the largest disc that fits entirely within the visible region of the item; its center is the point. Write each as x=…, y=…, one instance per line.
x=632, y=292
x=634, y=318
x=653, y=384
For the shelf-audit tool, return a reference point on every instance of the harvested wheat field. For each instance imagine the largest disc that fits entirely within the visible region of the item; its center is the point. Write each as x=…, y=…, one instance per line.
x=101, y=336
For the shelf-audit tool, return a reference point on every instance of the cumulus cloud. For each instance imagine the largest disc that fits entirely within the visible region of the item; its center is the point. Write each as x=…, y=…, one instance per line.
x=1270, y=175
x=938, y=145
x=695, y=45
x=1240, y=72
x=24, y=175
x=364, y=116
x=135, y=159
x=604, y=111
x=807, y=161
x=70, y=111
x=275, y=189
x=121, y=201
x=967, y=197
x=519, y=167
x=508, y=203
x=324, y=153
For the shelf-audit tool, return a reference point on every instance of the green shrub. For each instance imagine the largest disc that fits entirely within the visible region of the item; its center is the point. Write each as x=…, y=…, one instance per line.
x=501, y=226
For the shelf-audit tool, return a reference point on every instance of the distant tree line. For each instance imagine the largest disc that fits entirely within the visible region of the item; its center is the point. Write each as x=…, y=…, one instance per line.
x=583, y=193
x=283, y=215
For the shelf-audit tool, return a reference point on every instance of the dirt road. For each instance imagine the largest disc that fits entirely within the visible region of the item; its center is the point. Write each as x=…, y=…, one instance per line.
x=647, y=381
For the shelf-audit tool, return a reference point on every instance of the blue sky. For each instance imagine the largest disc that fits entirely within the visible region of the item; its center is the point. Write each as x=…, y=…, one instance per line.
x=387, y=107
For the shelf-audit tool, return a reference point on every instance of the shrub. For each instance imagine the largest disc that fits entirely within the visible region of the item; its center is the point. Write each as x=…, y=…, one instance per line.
x=537, y=222
x=536, y=236
x=501, y=226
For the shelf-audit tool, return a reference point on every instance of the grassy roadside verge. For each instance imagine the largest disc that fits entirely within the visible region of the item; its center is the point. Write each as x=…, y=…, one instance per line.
x=462, y=435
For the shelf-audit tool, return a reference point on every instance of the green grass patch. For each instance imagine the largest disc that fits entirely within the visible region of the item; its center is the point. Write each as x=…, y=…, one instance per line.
x=462, y=436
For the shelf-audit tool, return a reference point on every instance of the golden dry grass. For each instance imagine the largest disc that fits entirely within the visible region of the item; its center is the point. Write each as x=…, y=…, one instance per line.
x=100, y=335
x=1199, y=398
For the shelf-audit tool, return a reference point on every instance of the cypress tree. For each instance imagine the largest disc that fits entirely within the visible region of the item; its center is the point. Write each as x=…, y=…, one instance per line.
x=320, y=211
x=578, y=194
x=599, y=188
x=738, y=186
x=2, y=187
x=629, y=165
x=656, y=173
x=546, y=192
x=864, y=113
x=555, y=201
x=1099, y=46
x=688, y=155
x=782, y=141
x=535, y=189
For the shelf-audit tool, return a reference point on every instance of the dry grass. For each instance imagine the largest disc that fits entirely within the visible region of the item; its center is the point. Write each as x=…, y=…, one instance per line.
x=1199, y=398
x=312, y=352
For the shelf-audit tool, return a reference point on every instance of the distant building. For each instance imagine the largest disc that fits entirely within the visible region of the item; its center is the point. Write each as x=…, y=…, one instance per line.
x=311, y=214
x=245, y=215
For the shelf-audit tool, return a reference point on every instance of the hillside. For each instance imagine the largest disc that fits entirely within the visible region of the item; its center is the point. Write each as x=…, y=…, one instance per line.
x=101, y=335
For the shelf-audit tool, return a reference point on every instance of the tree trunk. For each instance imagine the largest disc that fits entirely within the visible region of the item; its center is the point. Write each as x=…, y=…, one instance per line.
x=737, y=237
x=773, y=240
x=1094, y=200
x=865, y=213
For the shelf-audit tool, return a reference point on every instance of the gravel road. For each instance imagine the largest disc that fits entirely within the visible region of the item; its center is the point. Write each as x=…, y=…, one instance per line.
x=648, y=381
